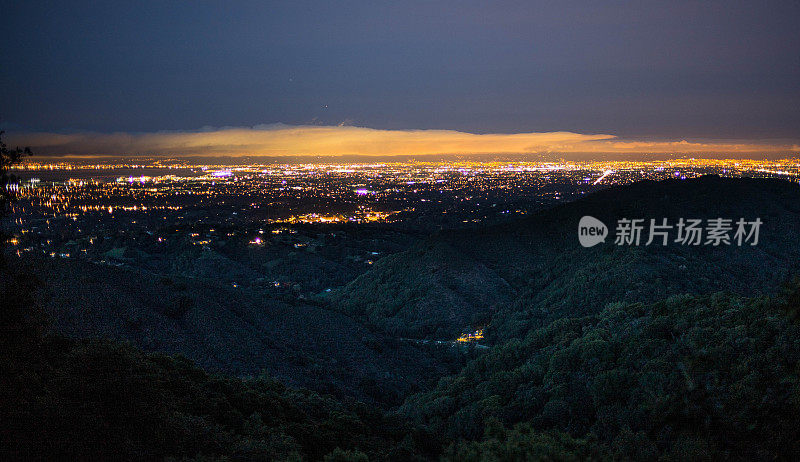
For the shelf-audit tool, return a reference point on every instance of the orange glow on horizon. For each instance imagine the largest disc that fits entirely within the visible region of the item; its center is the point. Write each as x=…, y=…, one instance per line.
x=283, y=140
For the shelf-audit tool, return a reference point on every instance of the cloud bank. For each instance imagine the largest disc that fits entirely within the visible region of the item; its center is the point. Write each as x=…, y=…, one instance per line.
x=285, y=140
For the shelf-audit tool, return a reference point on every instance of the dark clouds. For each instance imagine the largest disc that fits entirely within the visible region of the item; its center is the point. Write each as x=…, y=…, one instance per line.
x=636, y=69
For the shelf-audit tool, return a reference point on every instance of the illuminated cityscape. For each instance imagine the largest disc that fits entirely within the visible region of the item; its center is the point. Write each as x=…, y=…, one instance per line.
x=64, y=209
x=143, y=214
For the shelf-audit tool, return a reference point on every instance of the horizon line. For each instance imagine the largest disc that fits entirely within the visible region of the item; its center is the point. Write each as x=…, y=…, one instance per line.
x=280, y=140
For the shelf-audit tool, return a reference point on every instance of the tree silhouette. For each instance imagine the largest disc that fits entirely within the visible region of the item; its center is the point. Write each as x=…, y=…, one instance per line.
x=9, y=157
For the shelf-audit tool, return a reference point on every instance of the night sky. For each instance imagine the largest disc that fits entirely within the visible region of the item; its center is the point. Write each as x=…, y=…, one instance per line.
x=636, y=70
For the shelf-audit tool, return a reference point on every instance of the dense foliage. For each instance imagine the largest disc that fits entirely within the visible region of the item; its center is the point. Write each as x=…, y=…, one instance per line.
x=100, y=400
x=689, y=377
x=523, y=443
x=432, y=291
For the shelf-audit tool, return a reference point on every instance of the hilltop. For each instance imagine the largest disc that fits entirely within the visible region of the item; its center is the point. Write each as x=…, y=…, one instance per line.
x=521, y=275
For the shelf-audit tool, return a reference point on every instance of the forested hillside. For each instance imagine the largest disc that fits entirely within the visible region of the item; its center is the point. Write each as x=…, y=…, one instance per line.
x=68, y=399
x=523, y=274
x=708, y=377
x=237, y=331
x=687, y=378
x=104, y=401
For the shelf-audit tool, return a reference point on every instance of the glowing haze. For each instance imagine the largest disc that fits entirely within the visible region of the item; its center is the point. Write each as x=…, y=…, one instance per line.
x=285, y=140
